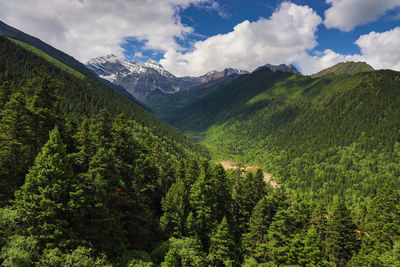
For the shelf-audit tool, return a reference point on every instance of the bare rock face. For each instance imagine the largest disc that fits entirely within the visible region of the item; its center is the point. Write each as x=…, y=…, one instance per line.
x=216, y=75
x=282, y=67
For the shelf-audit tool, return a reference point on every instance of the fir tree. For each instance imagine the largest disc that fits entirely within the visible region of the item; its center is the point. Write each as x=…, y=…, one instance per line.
x=184, y=252
x=101, y=221
x=342, y=240
x=203, y=203
x=17, y=149
x=175, y=206
x=254, y=240
x=223, y=193
x=247, y=192
x=222, y=249
x=43, y=103
x=44, y=201
x=85, y=148
x=101, y=130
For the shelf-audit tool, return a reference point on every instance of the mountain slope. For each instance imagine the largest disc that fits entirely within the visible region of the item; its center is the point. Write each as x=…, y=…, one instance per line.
x=9, y=31
x=83, y=168
x=165, y=106
x=302, y=129
x=345, y=68
x=80, y=96
x=186, y=107
x=54, y=55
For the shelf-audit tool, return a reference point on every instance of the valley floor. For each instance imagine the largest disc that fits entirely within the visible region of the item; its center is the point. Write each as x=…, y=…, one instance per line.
x=268, y=178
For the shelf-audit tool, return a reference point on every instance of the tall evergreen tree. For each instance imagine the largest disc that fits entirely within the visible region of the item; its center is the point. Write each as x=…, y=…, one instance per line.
x=85, y=147
x=101, y=223
x=45, y=201
x=247, y=192
x=5, y=93
x=17, y=149
x=222, y=249
x=175, y=206
x=203, y=203
x=101, y=130
x=223, y=193
x=254, y=240
x=342, y=240
x=43, y=103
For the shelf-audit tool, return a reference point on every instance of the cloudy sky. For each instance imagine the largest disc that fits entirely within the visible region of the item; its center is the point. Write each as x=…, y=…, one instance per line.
x=192, y=37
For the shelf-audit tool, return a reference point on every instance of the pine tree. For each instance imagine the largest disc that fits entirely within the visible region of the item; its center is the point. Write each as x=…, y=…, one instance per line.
x=5, y=92
x=260, y=221
x=203, y=203
x=193, y=172
x=101, y=223
x=247, y=192
x=17, y=149
x=139, y=177
x=85, y=148
x=383, y=219
x=313, y=252
x=44, y=202
x=101, y=130
x=43, y=104
x=286, y=224
x=175, y=206
x=191, y=225
x=184, y=252
x=223, y=193
x=222, y=249
x=342, y=240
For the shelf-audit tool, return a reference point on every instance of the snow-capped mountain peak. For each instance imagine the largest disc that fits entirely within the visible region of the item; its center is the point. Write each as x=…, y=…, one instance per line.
x=137, y=77
x=103, y=59
x=140, y=79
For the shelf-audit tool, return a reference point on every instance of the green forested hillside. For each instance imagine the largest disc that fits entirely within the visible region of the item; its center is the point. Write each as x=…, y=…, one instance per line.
x=304, y=129
x=330, y=139
x=345, y=68
x=165, y=106
x=79, y=97
x=16, y=34
x=49, y=58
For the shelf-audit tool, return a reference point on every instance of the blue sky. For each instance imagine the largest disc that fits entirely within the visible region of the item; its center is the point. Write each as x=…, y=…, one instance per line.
x=208, y=22
x=192, y=37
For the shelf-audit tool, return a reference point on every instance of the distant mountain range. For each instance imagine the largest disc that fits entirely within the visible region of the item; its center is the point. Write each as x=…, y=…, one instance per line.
x=145, y=80
x=141, y=79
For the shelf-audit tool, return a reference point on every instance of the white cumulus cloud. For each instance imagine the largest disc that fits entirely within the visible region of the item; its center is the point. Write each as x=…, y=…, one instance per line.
x=380, y=50
x=89, y=28
x=347, y=14
x=282, y=38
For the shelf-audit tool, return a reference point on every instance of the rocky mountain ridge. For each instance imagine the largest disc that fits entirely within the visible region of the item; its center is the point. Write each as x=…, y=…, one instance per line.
x=282, y=67
x=141, y=79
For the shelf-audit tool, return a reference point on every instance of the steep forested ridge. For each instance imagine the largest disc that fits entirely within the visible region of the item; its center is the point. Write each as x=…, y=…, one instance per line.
x=79, y=97
x=89, y=178
x=16, y=34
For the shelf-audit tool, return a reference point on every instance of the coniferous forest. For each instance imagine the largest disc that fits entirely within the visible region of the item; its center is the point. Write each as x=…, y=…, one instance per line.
x=90, y=178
